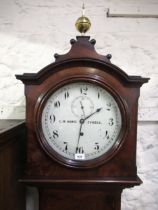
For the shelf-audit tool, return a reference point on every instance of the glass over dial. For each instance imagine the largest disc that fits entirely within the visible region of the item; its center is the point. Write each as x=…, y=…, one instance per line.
x=81, y=121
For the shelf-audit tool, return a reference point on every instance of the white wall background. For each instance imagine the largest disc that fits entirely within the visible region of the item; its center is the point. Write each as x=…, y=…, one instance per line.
x=31, y=31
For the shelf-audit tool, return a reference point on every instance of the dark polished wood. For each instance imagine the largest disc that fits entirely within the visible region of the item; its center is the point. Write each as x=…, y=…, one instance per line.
x=79, y=199
x=61, y=184
x=82, y=53
x=102, y=184
x=12, y=146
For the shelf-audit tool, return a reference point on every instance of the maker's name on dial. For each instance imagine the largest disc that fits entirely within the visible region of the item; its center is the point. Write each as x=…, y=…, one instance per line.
x=75, y=121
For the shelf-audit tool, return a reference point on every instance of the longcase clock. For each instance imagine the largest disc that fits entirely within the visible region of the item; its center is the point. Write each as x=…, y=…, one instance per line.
x=81, y=119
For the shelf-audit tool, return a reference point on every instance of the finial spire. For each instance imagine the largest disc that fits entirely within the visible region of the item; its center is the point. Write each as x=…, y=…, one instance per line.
x=83, y=24
x=83, y=9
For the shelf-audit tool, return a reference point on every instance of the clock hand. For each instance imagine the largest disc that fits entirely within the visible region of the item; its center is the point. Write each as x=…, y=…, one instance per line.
x=82, y=107
x=80, y=134
x=82, y=122
x=97, y=110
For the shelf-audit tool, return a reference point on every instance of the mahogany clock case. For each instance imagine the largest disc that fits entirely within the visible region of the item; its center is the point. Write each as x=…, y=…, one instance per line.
x=82, y=63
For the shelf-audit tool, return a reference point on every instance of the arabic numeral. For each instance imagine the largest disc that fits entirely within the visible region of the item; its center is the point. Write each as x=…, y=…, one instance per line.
x=108, y=106
x=107, y=134
x=57, y=104
x=111, y=121
x=65, y=146
x=79, y=150
x=55, y=134
x=96, y=146
x=84, y=90
x=52, y=118
x=66, y=95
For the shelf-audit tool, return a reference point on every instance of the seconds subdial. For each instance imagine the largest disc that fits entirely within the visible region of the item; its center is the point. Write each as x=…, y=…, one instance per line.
x=82, y=106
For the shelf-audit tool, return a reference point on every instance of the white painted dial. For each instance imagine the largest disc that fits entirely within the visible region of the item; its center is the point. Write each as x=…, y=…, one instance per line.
x=81, y=121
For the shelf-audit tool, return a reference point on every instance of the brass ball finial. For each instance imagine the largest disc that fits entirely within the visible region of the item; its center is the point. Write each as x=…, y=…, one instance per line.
x=83, y=24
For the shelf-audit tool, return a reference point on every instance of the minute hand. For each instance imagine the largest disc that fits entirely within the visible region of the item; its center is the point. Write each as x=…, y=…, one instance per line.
x=97, y=110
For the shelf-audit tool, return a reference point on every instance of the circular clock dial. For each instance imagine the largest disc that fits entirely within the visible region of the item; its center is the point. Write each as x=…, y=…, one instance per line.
x=81, y=121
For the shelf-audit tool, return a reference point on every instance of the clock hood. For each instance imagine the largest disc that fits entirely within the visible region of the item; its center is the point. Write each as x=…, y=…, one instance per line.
x=82, y=53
